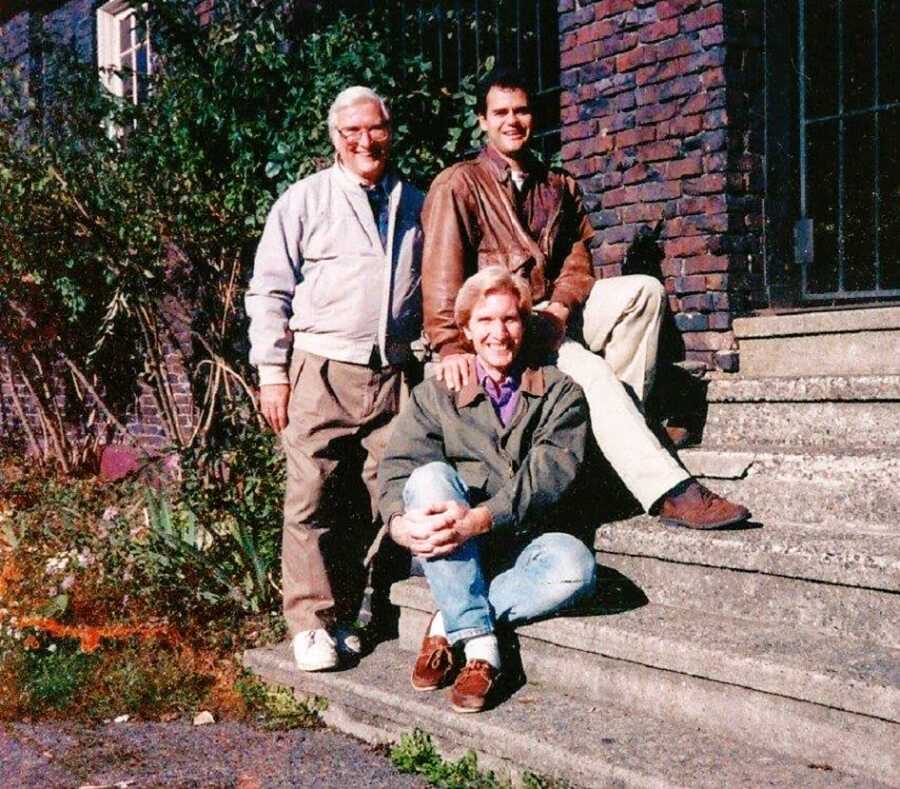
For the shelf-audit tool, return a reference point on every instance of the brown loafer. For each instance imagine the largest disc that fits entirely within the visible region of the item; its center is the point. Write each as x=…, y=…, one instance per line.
x=473, y=686
x=434, y=663
x=696, y=507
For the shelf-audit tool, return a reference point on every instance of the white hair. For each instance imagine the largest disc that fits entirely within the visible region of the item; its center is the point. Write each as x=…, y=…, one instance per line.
x=357, y=94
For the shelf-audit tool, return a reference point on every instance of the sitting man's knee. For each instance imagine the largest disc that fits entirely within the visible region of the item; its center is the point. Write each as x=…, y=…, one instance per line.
x=650, y=290
x=432, y=479
x=573, y=562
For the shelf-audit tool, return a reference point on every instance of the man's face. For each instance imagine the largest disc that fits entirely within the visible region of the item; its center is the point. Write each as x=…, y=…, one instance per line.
x=507, y=121
x=496, y=330
x=363, y=140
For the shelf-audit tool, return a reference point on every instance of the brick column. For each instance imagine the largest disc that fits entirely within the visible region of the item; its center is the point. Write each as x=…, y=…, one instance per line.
x=655, y=119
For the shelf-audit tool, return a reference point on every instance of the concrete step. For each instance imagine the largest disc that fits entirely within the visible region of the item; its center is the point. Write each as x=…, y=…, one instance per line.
x=796, y=414
x=828, y=342
x=548, y=733
x=832, y=610
x=772, y=685
x=828, y=553
x=853, y=489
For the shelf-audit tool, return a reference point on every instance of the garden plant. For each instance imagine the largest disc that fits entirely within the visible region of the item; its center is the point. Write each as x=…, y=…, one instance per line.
x=126, y=238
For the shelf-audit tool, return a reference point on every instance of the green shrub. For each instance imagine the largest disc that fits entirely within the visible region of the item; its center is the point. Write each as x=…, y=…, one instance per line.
x=109, y=210
x=146, y=680
x=274, y=708
x=51, y=679
x=416, y=753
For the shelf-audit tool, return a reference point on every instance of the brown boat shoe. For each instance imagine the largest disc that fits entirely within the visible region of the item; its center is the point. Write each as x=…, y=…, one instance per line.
x=434, y=663
x=696, y=507
x=473, y=686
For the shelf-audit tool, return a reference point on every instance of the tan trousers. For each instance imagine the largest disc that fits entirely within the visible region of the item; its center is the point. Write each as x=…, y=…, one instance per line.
x=339, y=421
x=615, y=366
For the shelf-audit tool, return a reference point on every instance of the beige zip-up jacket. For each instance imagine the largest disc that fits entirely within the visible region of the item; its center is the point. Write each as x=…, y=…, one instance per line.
x=322, y=281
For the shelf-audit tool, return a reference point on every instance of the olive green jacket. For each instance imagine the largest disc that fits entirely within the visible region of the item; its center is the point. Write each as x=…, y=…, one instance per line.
x=519, y=472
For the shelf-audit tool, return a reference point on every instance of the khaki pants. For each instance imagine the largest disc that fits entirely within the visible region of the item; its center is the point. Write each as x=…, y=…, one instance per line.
x=614, y=363
x=339, y=421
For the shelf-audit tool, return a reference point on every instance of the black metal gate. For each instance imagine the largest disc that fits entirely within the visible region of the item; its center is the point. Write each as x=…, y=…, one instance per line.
x=459, y=35
x=847, y=241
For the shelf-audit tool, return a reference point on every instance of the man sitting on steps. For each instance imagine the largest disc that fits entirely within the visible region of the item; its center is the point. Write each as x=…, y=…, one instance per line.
x=470, y=482
x=506, y=208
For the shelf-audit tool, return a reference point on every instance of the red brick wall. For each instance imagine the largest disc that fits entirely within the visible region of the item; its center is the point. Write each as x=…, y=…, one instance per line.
x=656, y=127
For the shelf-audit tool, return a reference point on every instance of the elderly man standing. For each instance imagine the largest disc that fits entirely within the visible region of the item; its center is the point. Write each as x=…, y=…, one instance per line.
x=506, y=208
x=472, y=482
x=333, y=304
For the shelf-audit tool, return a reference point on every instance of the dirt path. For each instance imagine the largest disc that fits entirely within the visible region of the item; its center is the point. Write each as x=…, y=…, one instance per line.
x=178, y=754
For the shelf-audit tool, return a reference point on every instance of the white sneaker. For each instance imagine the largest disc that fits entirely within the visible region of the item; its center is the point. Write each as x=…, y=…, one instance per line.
x=349, y=643
x=314, y=650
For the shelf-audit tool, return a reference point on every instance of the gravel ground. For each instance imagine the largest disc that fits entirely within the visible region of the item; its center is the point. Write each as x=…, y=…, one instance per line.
x=178, y=754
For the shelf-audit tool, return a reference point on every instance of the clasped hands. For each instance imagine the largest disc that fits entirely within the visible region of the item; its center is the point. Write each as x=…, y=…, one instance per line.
x=439, y=529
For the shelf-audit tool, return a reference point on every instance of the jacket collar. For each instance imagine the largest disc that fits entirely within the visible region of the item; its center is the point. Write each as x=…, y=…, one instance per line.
x=350, y=182
x=500, y=167
x=532, y=382
x=355, y=194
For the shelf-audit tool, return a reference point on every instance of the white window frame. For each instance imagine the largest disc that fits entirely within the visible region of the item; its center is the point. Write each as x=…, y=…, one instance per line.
x=109, y=50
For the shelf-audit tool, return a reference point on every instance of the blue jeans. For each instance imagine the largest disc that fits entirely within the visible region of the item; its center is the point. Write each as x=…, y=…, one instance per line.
x=551, y=572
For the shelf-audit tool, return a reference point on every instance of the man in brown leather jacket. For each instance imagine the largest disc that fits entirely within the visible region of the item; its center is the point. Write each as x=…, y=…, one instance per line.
x=506, y=208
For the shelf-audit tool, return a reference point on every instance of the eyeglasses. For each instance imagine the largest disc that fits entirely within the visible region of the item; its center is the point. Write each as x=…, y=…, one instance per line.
x=353, y=134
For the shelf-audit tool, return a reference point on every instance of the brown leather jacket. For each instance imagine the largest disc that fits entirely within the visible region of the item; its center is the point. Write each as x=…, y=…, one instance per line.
x=469, y=220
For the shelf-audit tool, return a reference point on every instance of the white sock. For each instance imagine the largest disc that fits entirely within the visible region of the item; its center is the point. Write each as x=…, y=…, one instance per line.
x=437, y=626
x=484, y=648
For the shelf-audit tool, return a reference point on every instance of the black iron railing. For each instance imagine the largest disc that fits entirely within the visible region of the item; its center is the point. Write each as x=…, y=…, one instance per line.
x=458, y=36
x=848, y=70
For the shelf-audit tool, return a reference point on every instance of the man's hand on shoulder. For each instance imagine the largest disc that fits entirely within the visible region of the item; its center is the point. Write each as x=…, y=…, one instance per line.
x=453, y=370
x=559, y=311
x=273, y=403
x=549, y=326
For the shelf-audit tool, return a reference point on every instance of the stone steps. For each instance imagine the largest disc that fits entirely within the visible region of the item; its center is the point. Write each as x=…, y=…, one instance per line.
x=852, y=489
x=842, y=581
x=739, y=657
x=773, y=685
x=568, y=738
x=798, y=414
x=847, y=342
x=851, y=556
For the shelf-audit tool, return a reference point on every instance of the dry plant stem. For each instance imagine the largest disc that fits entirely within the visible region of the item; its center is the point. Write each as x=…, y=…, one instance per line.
x=91, y=390
x=162, y=391
x=209, y=405
x=20, y=412
x=78, y=376
x=90, y=222
x=59, y=433
x=50, y=435
x=229, y=294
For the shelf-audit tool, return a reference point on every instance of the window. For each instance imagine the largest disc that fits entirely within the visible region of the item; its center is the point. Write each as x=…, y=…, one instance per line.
x=123, y=50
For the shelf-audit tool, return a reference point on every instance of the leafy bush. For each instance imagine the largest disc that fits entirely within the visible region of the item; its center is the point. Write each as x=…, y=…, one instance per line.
x=128, y=230
x=50, y=679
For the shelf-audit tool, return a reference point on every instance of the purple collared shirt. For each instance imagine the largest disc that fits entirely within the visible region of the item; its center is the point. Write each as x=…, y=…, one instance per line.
x=504, y=396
